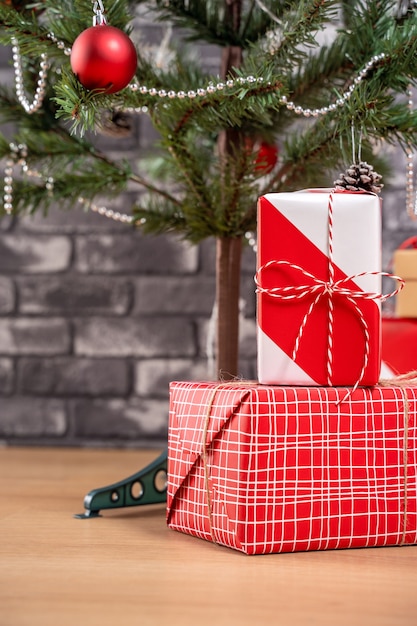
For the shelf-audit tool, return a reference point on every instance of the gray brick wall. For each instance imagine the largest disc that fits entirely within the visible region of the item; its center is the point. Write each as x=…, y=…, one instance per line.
x=96, y=319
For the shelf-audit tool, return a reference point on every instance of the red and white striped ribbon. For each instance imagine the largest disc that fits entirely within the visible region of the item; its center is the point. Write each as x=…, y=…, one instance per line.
x=319, y=289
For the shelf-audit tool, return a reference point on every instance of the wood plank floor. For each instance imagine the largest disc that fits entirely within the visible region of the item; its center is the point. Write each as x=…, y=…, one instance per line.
x=126, y=568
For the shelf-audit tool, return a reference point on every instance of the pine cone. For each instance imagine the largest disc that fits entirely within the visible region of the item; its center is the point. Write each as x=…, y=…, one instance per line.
x=360, y=177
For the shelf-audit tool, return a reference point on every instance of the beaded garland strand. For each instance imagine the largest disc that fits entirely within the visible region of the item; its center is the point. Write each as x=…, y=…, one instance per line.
x=410, y=196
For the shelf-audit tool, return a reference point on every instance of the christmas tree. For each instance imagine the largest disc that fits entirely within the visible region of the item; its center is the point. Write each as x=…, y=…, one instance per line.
x=304, y=89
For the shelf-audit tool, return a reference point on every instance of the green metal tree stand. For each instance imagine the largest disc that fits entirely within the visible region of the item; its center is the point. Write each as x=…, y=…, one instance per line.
x=148, y=486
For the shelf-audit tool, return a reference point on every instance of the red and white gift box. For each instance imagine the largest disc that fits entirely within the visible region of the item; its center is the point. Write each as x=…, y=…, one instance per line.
x=305, y=335
x=265, y=469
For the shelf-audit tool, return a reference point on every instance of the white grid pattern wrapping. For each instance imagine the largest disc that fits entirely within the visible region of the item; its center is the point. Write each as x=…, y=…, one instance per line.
x=267, y=469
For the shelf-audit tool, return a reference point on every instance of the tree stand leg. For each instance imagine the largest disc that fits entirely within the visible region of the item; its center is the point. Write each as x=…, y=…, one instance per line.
x=148, y=486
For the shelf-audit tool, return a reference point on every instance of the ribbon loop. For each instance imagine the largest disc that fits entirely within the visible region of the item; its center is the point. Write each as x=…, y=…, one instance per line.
x=317, y=290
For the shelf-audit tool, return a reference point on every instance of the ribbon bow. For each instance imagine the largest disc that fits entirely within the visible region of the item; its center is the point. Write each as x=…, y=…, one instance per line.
x=318, y=289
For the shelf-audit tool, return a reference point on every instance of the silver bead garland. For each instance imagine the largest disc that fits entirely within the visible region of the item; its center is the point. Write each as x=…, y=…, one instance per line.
x=410, y=195
x=35, y=105
x=18, y=157
x=8, y=187
x=105, y=212
x=212, y=88
x=59, y=44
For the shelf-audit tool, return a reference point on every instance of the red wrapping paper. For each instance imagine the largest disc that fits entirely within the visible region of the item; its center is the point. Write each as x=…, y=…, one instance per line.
x=399, y=345
x=266, y=469
x=293, y=228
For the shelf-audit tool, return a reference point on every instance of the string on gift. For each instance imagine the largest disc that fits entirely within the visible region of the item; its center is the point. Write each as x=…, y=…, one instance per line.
x=319, y=289
x=205, y=463
x=405, y=464
x=331, y=282
x=204, y=453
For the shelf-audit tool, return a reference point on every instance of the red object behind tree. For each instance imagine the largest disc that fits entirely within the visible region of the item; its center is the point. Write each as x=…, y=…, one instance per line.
x=266, y=157
x=399, y=344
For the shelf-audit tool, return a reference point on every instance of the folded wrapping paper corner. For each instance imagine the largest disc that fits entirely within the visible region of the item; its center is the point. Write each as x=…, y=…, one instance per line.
x=294, y=234
x=188, y=403
x=280, y=469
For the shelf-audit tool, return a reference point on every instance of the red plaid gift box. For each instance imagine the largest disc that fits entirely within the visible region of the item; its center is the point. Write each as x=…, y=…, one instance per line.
x=266, y=469
x=319, y=285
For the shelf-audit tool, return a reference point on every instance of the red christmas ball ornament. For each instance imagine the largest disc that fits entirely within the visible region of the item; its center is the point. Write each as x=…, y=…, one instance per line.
x=103, y=57
x=266, y=157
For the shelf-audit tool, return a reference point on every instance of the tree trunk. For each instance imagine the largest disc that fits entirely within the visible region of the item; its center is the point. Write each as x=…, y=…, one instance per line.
x=229, y=250
x=228, y=262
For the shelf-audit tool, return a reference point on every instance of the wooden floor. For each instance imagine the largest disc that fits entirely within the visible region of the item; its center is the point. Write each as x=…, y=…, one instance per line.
x=126, y=568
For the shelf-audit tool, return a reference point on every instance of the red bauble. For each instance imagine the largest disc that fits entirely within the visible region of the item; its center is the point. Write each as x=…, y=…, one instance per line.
x=103, y=57
x=266, y=157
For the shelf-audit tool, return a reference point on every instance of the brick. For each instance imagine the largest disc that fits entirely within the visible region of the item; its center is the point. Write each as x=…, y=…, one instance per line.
x=5, y=55
x=248, y=260
x=6, y=80
x=31, y=417
x=247, y=344
x=248, y=369
x=134, y=419
x=74, y=295
x=22, y=253
x=27, y=336
x=75, y=377
x=146, y=23
x=7, y=295
x=248, y=296
x=247, y=339
x=394, y=215
x=207, y=250
x=6, y=221
x=152, y=376
x=248, y=269
x=173, y=294
x=6, y=376
x=134, y=337
x=208, y=258
x=134, y=253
